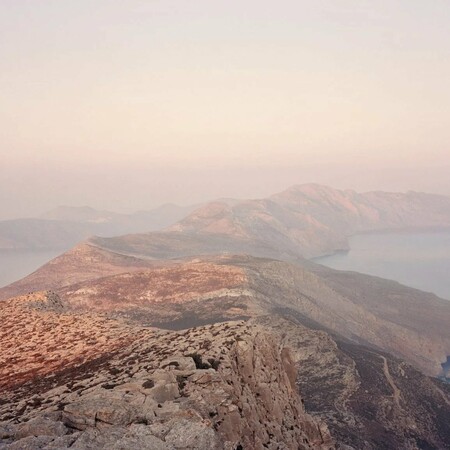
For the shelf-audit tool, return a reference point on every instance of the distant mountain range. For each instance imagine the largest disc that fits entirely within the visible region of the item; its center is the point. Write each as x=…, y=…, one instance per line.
x=302, y=222
x=63, y=227
x=307, y=220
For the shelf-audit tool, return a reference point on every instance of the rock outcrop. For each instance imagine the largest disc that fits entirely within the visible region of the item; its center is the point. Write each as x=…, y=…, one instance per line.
x=224, y=386
x=369, y=399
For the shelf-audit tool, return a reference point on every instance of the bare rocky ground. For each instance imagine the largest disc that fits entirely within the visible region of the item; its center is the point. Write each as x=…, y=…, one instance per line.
x=369, y=399
x=91, y=365
x=222, y=386
x=408, y=323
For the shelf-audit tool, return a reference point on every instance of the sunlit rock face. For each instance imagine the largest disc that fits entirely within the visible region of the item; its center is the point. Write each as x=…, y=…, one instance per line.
x=215, y=387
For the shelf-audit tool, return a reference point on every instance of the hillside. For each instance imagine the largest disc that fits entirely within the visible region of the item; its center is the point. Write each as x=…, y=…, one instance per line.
x=313, y=220
x=366, y=310
x=269, y=382
x=223, y=386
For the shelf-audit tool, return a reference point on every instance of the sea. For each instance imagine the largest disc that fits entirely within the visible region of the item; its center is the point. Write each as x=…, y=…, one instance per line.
x=417, y=259
x=15, y=264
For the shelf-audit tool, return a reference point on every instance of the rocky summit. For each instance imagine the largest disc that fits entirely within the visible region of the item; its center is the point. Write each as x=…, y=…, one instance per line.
x=223, y=386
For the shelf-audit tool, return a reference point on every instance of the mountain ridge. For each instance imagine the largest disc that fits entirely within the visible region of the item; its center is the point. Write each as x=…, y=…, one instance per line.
x=65, y=226
x=221, y=334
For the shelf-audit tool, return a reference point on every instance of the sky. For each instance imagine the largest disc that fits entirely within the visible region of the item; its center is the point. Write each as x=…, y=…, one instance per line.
x=125, y=105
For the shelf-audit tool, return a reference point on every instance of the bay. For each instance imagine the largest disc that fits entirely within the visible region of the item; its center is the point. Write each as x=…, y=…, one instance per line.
x=416, y=259
x=15, y=264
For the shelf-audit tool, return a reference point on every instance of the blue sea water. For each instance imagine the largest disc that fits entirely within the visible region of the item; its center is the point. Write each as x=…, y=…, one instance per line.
x=416, y=259
x=15, y=264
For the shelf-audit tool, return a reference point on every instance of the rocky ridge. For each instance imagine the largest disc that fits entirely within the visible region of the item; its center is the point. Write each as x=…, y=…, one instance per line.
x=223, y=386
x=369, y=399
x=312, y=220
x=179, y=294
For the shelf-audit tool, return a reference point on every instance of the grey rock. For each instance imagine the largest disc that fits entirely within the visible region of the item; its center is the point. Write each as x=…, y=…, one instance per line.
x=7, y=430
x=88, y=412
x=63, y=442
x=178, y=363
x=31, y=443
x=95, y=439
x=40, y=426
x=186, y=434
x=165, y=392
x=140, y=437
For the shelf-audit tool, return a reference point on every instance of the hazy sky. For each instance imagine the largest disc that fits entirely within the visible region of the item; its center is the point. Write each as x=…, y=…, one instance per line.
x=128, y=104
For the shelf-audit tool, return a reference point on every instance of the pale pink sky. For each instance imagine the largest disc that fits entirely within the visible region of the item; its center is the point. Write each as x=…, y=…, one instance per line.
x=128, y=104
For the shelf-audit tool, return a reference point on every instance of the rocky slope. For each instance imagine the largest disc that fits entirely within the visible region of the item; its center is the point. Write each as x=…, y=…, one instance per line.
x=366, y=310
x=369, y=399
x=363, y=309
x=270, y=382
x=40, y=336
x=312, y=220
x=225, y=386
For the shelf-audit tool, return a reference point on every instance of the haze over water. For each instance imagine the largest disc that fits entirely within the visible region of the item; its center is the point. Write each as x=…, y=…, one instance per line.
x=15, y=264
x=420, y=259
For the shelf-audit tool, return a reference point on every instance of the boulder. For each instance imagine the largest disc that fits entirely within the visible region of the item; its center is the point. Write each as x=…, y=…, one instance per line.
x=88, y=412
x=41, y=426
x=186, y=434
x=178, y=363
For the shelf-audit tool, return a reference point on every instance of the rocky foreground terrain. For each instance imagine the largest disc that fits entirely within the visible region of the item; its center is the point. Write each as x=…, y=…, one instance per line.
x=254, y=361
x=222, y=386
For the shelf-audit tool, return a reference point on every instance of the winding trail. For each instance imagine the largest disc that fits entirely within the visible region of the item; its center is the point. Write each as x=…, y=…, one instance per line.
x=390, y=380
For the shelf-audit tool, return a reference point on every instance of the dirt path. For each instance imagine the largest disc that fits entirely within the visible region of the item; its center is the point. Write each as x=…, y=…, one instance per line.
x=390, y=380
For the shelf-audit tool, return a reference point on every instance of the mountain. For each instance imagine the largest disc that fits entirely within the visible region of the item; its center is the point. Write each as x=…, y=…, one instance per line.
x=312, y=220
x=304, y=221
x=366, y=310
x=63, y=227
x=220, y=333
